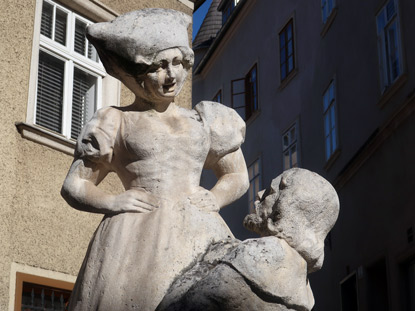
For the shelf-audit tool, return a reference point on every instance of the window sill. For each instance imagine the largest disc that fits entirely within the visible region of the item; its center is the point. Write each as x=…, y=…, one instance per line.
x=328, y=23
x=253, y=117
x=45, y=137
x=332, y=159
x=288, y=79
x=391, y=91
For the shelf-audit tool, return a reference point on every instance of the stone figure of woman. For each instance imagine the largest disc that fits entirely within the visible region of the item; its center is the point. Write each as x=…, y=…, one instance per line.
x=164, y=219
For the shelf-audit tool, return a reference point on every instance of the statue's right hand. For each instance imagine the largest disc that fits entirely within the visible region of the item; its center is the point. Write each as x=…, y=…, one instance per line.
x=134, y=201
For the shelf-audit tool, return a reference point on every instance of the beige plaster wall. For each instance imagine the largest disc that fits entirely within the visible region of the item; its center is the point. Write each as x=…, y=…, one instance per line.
x=37, y=227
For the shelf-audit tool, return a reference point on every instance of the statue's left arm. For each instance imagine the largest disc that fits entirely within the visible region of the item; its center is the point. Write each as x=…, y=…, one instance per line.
x=232, y=176
x=225, y=158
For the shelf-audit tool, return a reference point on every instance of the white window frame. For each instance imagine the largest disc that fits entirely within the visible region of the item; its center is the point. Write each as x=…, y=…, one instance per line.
x=327, y=7
x=384, y=24
x=292, y=142
x=330, y=120
x=255, y=175
x=110, y=88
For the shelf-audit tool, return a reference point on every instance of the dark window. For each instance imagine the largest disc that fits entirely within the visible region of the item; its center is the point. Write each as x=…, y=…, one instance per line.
x=42, y=297
x=255, y=183
x=348, y=289
x=287, y=61
x=228, y=9
x=408, y=295
x=218, y=97
x=245, y=94
x=377, y=283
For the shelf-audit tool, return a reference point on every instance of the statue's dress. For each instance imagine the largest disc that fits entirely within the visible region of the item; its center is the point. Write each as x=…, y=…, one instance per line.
x=134, y=257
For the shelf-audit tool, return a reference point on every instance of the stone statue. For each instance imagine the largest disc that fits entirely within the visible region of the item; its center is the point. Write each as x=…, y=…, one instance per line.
x=293, y=216
x=164, y=219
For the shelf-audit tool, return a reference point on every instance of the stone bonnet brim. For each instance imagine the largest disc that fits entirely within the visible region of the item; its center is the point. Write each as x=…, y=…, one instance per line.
x=137, y=36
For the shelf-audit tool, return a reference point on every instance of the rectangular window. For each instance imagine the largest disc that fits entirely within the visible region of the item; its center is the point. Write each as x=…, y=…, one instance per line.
x=245, y=94
x=290, y=147
x=227, y=11
x=389, y=44
x=330, y=120
x=377, y=286
x=255, y=183
x=327, y=7
x=348, y=290
x=287, y=59
x=40, y=293
x=410, y=282
x=69, y=75
x=218, y=97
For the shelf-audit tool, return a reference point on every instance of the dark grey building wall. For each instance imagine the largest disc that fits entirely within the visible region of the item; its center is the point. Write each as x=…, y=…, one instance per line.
x=374, y=170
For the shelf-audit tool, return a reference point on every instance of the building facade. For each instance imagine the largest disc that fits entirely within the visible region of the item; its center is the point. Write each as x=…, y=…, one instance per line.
x=51, y=83
x=327, y=85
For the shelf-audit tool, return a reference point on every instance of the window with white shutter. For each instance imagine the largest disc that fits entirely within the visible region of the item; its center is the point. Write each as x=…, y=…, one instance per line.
x=69, y=78
x=68, y=83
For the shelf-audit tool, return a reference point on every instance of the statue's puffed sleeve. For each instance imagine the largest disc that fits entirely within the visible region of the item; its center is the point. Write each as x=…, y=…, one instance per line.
x=226, y=127
x=97, y=138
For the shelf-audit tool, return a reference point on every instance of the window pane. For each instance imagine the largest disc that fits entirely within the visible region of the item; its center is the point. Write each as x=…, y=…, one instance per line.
x=286, y=141
x=60, y=27
x=333, y=140
x=253, y=75
x=238, y=101
x=241, y=112
x=282, y=40
x=330, y=6
x=251, y=172
x=411, y=289
x=381, y=22
x=348, y=291
x=92, y=52
x=256, y=185
x=80, y=37
x=331, y=91
x=393, y=51
x=290, y=48
x=289, y=31
x=47, y=20
x=290, y=63
x=256, y=169
x=326, y=124
x=251, y=194
x=390, y=9
x=293, y=134
x=283, y=71
x=294, y=156
x=49, y=99
x=238, y=86
x=83, y=100
x=332, y=117
x=283, y=56
x=42, y=297
x=325, y=101
x=328, y=148
x=286, y=160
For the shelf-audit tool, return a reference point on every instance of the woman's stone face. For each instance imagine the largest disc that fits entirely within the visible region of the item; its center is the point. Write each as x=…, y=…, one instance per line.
x=166, y=75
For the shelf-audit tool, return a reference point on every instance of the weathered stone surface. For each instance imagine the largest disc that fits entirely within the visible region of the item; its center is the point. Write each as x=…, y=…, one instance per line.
x=299, y=207
x=164, y=220
x=270, y=273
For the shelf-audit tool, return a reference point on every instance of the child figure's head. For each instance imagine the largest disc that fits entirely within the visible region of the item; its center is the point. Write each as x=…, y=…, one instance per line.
x=300, y=207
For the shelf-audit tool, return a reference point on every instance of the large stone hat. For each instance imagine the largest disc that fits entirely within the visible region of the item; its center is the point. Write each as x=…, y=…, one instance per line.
x=137, y=36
